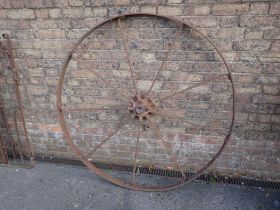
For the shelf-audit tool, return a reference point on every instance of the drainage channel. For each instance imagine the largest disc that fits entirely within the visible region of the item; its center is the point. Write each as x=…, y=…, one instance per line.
x=210, y=178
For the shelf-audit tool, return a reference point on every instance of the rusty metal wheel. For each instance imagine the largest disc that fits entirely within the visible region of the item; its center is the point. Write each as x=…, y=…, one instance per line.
x=155, y=92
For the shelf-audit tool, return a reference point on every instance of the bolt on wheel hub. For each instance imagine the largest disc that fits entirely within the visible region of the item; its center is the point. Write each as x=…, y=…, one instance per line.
x=140, y=107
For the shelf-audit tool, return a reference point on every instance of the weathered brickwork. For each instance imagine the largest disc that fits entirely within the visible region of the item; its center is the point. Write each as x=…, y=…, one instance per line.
x=247, y=34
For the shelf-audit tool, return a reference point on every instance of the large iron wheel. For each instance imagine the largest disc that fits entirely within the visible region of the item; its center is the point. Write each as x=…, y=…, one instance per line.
x=150, y=106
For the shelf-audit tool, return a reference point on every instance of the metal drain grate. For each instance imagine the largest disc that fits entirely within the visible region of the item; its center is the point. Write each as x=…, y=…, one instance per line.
x=210, y=178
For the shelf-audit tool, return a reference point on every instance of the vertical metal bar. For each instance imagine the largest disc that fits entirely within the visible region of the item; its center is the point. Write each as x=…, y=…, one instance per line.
x=18, y=137
x=3, y=152
x=18, y=95
x=11, y=142
x=1, y=148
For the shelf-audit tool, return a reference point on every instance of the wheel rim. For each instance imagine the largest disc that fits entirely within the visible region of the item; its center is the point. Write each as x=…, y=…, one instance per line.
x=141, y=108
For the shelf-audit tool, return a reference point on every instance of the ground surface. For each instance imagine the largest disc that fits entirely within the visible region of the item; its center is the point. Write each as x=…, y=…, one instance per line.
x=50, y=187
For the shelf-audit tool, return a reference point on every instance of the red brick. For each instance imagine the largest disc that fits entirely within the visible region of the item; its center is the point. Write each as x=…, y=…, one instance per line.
x=50, y=34
x=257, y=22
x=202, y=9
x=42, y=13
x=21, y=14
x=121, y=2
x=114, y=11
x=253, y=34
x=266, y=99
x=272, y=33
x=169, y=11
x=3, y=14
x=6, y=4
x=230, y=9
x=271, y=57
x=251, y=45
x=47, y=24
x=227, y=33
x=73, y=12
x=202, y=22
x=275, y=46
x=271, y=90
x=76, y=3
x=152, y=2
x=259, y=8
x=148, y=9
x=93, y=12
x=267, y=79
x=40, y=3
x=17, y=4
x=229, y=21
x=274, y=8
x=55, y=13
x=37, y=90
x=174, y=1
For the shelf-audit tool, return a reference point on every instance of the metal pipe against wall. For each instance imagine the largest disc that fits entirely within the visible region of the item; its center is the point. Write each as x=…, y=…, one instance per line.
x=18, y=138
x=12, y=67
x=7, y=127
x=3, y=152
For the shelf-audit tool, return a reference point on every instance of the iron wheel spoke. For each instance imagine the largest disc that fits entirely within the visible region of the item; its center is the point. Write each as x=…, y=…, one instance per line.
x=124, y=96
x=136, y=152
x=93, y=109
x=104, y=140
x=191, y=87
x=127, y=56
x=166, y=57
x=174, y=118
x=167, y=147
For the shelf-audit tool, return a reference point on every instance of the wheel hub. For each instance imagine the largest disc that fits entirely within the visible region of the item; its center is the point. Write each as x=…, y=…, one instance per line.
x=141, y=107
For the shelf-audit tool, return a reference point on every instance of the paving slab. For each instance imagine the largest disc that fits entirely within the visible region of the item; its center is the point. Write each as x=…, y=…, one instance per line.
x=59, y=187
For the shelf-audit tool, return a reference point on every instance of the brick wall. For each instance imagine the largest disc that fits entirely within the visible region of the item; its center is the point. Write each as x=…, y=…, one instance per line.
x=247, y=34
